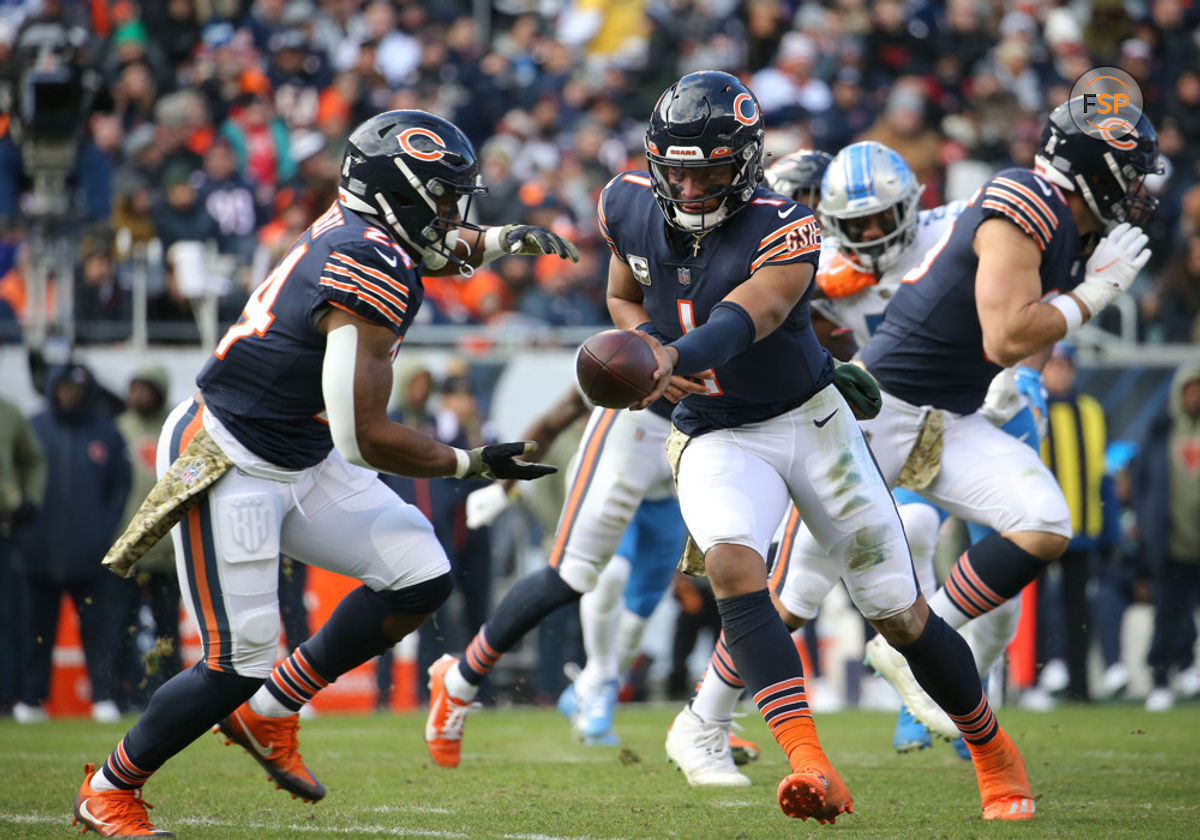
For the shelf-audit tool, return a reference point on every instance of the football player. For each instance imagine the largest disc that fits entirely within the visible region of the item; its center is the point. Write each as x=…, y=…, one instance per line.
x=1008, y=279
x=290, y=419
x=717, y=272
x=642, y=561
x=874, y=235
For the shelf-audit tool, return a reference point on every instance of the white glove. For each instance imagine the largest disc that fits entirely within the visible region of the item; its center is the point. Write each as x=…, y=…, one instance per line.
x=1003, y=400
x=1110, y=270
x=484, y=505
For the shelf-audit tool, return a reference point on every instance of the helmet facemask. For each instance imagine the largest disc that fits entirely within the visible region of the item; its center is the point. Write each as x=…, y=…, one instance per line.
x=723, y=193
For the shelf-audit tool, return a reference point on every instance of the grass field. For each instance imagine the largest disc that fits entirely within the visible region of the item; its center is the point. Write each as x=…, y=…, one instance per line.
x=1102, y=772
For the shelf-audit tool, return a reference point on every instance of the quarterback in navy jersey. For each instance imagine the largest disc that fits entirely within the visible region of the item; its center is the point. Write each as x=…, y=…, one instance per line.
x=718, y=281
x=290, y=429
x=1008, y=280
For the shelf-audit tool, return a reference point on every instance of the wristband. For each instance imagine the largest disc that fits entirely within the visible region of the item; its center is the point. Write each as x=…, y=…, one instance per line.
x=492, y=247
x=464, y=462
x=1071, y=311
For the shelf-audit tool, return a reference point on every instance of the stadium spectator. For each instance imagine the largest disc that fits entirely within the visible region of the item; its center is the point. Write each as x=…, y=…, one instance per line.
x=88, y=479
x=101, y=302
x=1074, y=449
x=22, y=488
x=1166, y=482
x=1171, y=309
x=230, y=200
x=140, y=425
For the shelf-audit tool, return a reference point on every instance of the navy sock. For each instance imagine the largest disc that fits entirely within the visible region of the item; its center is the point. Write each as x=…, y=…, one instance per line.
x=944, y=666
x=989, y=573
x=184, y=708
x=531, y=599
x=766, y=658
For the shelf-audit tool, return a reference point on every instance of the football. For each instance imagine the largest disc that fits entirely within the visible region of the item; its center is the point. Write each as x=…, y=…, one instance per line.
x=615, y=368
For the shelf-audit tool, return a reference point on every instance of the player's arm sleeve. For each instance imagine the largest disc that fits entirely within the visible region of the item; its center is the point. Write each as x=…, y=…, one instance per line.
x=356, y=383
x=357, y=279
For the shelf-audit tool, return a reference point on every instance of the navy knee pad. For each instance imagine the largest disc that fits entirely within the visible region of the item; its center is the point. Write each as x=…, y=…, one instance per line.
x=418, y=599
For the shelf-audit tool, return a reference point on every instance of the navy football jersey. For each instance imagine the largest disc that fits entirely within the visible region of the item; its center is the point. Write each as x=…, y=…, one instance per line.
x=929, y=348
x=263, y=381
x=682, y=278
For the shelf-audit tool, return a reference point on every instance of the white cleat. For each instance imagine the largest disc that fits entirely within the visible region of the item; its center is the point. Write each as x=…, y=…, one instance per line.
x=1160, y=700
x=890, y=664
x=701, y=750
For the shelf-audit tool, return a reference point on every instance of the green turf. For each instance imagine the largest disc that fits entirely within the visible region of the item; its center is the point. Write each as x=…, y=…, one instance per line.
x=1104, y=772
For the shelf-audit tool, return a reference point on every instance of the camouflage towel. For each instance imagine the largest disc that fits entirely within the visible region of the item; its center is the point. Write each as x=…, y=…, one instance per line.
x=925, y=460
x=692, y=561
x=180, y=488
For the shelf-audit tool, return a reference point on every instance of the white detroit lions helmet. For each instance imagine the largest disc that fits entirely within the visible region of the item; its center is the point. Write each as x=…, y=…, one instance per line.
x=863, y=180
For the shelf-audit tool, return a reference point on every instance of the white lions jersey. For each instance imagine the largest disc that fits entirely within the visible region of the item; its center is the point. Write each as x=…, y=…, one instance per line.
x=854, y=297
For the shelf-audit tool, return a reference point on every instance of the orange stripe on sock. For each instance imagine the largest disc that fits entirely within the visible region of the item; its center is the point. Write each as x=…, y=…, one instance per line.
x=788, y=700
x=587, y=466
x=984, y=590
x=306, y=668
x=962, y=595
x=783, y=685
x=301, y=685
x=783, y=719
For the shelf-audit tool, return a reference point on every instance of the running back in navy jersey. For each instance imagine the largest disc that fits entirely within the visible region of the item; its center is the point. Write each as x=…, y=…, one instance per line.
x=929, y=348
x=264, y=380
x=681, y=283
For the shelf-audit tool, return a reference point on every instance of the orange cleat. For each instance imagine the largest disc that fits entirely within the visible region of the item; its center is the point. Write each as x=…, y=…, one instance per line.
x=814, y=790
x=444, y=726
x=113, y=813
x=743, y=751
x=1003, y=785
x=272, y=742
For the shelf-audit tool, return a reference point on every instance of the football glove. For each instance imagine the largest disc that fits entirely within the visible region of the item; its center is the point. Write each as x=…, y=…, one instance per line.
x=859, y=389
x=531, y=240
x=1114, y=264
x=497, y=460
x=484, y=505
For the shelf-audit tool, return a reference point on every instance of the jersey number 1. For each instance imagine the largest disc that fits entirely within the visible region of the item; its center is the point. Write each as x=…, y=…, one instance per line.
x=257, y=315
x=687, y=320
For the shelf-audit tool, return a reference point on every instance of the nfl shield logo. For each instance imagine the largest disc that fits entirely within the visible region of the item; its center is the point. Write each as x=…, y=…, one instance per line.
x=685, y=275
x=190, y=473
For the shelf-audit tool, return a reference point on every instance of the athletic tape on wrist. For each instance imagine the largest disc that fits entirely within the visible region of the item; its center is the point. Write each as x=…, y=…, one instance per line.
x=492, y=247
x=464, y=462
x=1071, y=311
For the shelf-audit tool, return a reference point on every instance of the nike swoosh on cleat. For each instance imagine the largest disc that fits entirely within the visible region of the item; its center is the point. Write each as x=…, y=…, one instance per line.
x=87, y=815
x=265, y=752
x=387, y=258
x=783, y=214
x=821, y=423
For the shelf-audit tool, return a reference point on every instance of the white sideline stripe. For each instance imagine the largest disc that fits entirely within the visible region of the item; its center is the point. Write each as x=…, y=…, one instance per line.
x=419, y=809
x=389, y=830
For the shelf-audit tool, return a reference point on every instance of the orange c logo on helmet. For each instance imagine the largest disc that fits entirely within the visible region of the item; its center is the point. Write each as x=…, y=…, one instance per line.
x=739, y=109
x=1112, y=126
x=405, y=140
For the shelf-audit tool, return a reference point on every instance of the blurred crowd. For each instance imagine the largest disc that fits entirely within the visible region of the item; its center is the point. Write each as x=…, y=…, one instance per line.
x=215, y=131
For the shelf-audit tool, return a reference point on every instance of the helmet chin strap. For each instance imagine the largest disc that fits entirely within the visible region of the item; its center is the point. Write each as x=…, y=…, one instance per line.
x=432, y=256
x=697, y=222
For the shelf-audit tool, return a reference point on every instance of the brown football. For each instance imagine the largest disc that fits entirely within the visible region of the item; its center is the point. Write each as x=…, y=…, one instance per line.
x=615, y=368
